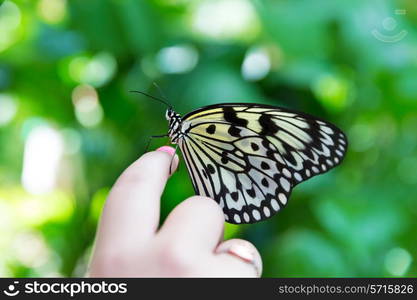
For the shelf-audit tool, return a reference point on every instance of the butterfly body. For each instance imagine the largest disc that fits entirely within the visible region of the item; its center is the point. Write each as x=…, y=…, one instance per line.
x=175, y=132
x=248, y=157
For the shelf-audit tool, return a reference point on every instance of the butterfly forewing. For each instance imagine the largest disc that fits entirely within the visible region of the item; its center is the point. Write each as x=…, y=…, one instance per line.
x=248, y=157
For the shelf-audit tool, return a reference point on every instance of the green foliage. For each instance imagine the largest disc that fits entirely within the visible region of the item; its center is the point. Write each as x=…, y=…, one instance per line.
x=69, y=126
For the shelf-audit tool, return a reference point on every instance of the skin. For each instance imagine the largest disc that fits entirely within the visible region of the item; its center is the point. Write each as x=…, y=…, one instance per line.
x=190, y=243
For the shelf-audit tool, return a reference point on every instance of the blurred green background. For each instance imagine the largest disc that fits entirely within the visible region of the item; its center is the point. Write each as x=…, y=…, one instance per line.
x=69, y=126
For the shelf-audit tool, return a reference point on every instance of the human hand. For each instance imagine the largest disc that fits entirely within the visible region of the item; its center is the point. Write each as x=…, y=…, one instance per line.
x=189, y=243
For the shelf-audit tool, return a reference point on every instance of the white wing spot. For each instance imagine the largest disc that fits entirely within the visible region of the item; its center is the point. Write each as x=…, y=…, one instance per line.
x=298, y=161
x=308, y=173
x=336, y=160
x=339, y=153
x=279, y=158
x=286, y=172
x=246, y=217
x=326, y=129
x=282, y=198
x=236, y=218
x=256, y=214
x=329, y=162
x=275, y=204
x=326, y=150
x=285, y=184
x=239, y=153
x=267, y=213
x=342, y=141
x=326, y=139
x=298, y=176
x=324, y=167
x=315, y=170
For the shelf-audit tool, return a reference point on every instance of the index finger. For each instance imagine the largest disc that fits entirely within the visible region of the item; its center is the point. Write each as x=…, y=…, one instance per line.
x=131, y=213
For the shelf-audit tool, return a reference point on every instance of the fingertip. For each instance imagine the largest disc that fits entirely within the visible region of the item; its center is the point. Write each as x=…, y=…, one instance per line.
x=171, y=152
x=150, y=168
x=244, y=251
x=167, y=149
x=160, y=159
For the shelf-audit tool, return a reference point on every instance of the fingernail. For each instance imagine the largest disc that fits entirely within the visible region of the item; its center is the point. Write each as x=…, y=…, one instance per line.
x=242, y=252
x=167, y=149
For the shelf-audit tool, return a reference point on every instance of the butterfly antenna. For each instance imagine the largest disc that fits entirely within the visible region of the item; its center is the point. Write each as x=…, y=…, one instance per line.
x=160, y=91
x=155, y=98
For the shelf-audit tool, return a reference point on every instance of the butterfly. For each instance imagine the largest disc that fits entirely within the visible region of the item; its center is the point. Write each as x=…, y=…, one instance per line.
x=248, y=157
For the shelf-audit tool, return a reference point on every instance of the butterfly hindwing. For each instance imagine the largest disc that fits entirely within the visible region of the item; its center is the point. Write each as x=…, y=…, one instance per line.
x=248, y=157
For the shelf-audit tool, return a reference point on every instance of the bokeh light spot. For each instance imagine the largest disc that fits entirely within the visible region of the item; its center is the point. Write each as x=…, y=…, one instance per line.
x=97, y=203
x=99, y=70
x=225, y=19
x=10, y=19
x=52, y=11
x=76, y=67
x=30, y=249
x=95, y=71
x=177, y=59
x=88, y=110
x=8, y=109
x=256, y=64
x=397, y=261
x=34, y=210
x=42, y=155
x=332, y=91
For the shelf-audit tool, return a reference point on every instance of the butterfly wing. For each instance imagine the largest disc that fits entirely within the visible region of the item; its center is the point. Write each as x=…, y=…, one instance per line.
x=248, y=157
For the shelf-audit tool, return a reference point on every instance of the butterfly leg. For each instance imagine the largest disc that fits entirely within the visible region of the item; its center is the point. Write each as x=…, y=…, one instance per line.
x=151, y=138
x=172, y=160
